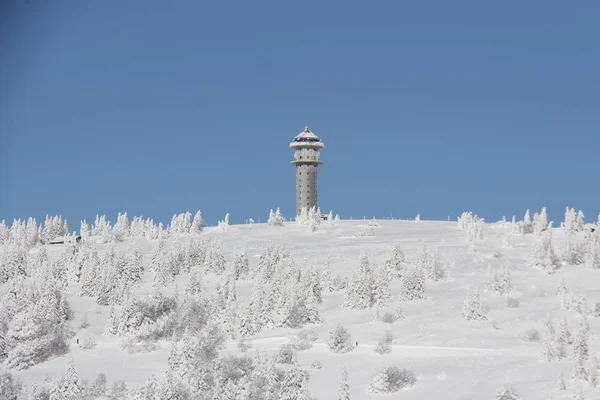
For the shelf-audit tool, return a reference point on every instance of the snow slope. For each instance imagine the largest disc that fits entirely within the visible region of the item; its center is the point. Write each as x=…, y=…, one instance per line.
x=453, y=358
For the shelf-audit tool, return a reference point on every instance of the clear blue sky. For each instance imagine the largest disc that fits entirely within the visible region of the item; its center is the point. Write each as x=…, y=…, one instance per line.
x=158, y=107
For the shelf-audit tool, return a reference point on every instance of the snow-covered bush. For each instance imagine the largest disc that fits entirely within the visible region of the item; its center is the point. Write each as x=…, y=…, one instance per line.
x=316, y=365
x=384, y=346
x=531, y=335
x=507, y=393
x=512, y=302
x=285, y=354
x=10, y=388
x=340, y=340
x=275, y=218
x=304, y=340
x=392, y=379
x=474, y=308
x=88, y=343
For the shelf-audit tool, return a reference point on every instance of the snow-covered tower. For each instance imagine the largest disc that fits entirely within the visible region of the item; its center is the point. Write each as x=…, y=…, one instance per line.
x=306, y=158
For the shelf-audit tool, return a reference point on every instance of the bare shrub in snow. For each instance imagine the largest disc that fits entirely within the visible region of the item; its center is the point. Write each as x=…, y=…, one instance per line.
x=473, y=307
x=513, y=302
x=507, y=393
x=88, y=343
x=340, y=340
x=392, y=379
x=532, y=335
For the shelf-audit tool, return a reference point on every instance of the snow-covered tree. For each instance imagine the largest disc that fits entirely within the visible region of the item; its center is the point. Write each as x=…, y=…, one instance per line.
x=197, y=223
x=214, y=260
x=593, y=371
x=359, y=293
x=396, y=261
x=224, y=225
x=340, y=340
x=240, y=263
x=473, y=307
x=275, y=218
x=561, y=384
x=499, y=282
x=507, y=393
x=543, y=255
x=540, y=222
x=592, y=257
x=111, y=327
x=391, y=379
x=344, y=388
x=413, y=285
x=384, y=346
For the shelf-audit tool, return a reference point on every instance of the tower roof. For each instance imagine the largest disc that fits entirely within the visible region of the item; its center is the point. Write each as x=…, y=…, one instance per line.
x=306, y=135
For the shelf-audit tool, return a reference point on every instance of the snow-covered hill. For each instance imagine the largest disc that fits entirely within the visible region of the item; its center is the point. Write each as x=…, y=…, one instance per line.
x=453, y=358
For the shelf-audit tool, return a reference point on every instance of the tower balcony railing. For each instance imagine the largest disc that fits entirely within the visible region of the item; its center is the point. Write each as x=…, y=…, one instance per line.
x=312, y=145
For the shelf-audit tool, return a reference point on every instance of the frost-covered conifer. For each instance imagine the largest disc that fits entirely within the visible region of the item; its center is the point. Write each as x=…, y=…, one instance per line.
x=214, y=260
x=240, y=263
x=561, y=384
x=507, y=393
x=197, y=223
x=473, y=307
x=111, y=327
x=224, y=225
x=337, y=218
x=592, y=257
x=499, y=282
x=564, y=335
x=580, y=345
x=540, y=222
x=360, y=293
x=396, y=261
x=413, y=285
x=543, y=255
x=593, y=371
x=160, y=265
x=344, y=388
x=330, y=219
x=275, y=218
x=340, y=340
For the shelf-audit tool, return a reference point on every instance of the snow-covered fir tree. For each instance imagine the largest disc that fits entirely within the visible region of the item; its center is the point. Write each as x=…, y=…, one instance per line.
x=473, y=307
x=542, y=255
x=240, y=265
x=344, y=388
x=507, y=393
x=396, y=261
x=111, y=327
x=197, y=223
x=499, y=282
x=359, y=293
x=561, y=384
x=413, y=285
x=275, y=218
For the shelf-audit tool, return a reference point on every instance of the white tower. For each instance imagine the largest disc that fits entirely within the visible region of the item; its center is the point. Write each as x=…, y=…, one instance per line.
x=306, y=158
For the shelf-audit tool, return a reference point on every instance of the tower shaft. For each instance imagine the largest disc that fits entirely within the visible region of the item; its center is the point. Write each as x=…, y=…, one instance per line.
x=307, y=148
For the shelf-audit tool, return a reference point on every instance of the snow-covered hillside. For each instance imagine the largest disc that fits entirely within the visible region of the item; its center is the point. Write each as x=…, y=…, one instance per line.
x=452, y=356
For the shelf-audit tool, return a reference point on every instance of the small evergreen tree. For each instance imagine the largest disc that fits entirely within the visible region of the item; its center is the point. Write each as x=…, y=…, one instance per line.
x=344, y=388
x=340, y=340
x=111, y=327
x=473, y=307
x=507, y=393
x=561, y=382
